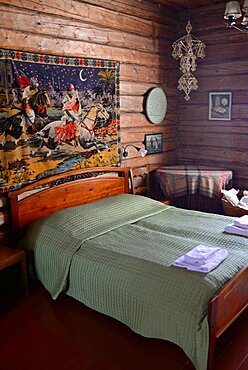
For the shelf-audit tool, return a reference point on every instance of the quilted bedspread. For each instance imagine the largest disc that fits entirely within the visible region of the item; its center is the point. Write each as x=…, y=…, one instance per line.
x=115, y=255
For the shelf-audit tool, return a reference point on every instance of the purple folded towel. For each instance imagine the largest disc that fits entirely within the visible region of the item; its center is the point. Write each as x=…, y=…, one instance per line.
x=241, y=222
x=210, y=263
x=200, y=254
x=232, y=229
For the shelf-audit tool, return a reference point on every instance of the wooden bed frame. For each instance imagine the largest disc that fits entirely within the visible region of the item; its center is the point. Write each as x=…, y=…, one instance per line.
x=65, y=190
x=61, y=192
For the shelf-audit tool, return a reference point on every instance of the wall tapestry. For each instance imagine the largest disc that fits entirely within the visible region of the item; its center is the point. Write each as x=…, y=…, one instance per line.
x=56, y=114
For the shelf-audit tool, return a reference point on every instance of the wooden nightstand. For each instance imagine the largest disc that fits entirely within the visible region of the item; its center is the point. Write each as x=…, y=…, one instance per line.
x=11, y=256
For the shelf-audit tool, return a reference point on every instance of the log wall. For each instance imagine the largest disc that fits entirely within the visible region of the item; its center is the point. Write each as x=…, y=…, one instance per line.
x=139, y=34
x=218, y=143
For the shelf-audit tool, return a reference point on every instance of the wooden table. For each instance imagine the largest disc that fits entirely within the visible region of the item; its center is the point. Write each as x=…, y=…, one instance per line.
x=11, y=256
x=194, y=187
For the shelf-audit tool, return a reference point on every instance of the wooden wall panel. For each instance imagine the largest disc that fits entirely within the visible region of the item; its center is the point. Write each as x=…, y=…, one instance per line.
x=93, y=14
x=59, y=27
x=138, y=34
x=217, y=143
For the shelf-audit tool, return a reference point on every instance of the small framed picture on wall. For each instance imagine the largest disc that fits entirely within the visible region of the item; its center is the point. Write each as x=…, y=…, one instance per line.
x=154, y=143
x=220, y=106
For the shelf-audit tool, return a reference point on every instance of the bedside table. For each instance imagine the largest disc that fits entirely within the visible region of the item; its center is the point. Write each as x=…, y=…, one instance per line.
x=11, y=256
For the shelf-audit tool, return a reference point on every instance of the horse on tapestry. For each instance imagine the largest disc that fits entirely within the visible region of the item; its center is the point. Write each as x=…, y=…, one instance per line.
x=79, y=132
x=39, y=102
x=17, y=124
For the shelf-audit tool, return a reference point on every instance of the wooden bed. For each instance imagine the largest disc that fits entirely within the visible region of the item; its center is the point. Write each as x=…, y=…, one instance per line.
x=59, y=192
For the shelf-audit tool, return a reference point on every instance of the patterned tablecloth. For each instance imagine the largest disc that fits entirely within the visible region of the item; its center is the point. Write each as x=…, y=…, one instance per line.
x=176, y=181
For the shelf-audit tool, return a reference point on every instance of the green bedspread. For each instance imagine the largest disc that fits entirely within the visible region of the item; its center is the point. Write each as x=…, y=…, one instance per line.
x=117, y=256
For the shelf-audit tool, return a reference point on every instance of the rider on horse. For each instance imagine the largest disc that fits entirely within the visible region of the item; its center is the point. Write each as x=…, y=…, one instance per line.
x=72, y=110
x=30, y=88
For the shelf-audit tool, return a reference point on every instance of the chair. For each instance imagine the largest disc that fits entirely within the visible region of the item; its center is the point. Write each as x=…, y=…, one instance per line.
x=153, y=188
x=140, y=183
x=138, y=180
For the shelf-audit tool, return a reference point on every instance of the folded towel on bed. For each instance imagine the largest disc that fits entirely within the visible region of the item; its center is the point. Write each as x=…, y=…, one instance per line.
x=241, y=222
x=200, y=254
x=209, y=265
x=233, y=229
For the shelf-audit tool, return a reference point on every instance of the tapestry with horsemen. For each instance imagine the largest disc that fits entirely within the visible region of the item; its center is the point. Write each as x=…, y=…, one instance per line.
x=56, y=114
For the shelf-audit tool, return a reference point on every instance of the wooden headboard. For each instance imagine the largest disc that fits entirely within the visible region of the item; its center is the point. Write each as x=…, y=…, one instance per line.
x=67, y=189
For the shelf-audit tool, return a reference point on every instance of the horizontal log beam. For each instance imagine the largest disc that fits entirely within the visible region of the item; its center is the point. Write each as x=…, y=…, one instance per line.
x=226, y=128
x=167, y=158
x=137, y=104
x=49, y=45
x=194, y=113
x=139, y=120
x=151, y=75
x=91, y=14
x=202, y=98
x=231, y=142
x=233, y=159
x=133, y=153
x=138, y=135
x=57, y=27
x=142, y=9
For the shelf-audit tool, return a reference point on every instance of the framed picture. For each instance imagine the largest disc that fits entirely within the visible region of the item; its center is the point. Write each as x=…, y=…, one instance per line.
x=220, y=105
x=154, y=143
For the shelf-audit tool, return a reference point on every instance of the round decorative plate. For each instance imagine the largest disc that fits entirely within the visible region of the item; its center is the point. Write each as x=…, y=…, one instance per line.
x=156, y=105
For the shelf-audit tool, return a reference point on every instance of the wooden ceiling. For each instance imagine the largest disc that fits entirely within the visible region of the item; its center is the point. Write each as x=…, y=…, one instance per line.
x=188, y=3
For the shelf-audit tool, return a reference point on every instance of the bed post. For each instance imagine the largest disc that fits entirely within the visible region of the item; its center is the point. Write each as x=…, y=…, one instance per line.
x=225, y=307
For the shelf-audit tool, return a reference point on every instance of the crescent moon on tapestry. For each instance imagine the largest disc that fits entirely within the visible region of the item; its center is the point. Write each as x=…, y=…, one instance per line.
x=81, y=76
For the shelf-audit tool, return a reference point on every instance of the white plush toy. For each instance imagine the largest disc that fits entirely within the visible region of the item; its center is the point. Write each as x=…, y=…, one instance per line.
x=231, y=196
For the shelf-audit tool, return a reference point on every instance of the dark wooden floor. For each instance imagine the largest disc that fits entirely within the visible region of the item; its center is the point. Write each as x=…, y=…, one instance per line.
x=37, y=333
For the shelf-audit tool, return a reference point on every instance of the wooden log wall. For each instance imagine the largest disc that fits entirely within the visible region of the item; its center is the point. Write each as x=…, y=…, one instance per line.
x=221, y=144
x=139, y=34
